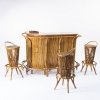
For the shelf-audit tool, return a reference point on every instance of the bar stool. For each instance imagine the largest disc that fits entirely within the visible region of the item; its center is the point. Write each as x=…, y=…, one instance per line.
x=13, y=57
x=90, y=49
x=66, y=70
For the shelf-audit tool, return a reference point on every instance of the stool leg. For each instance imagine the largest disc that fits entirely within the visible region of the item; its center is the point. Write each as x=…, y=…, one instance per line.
x=86, y=69
x=94, y=70
x=57, y=82
x=57, y=77
x=7, y=69
x=17, y=71
x=20, y=72
x=83, y=64
x=11, y=73
x=62, y=81
x=72, y=79
x=67, y=85
x=27, y=70
x=91, y=67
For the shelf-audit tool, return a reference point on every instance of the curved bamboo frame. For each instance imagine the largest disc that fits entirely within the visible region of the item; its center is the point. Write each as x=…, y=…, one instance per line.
x=7, y=42
x=92, y=42
x=28, y=53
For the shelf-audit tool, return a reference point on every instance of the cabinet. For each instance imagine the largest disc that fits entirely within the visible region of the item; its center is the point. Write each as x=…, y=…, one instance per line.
x=42, y=49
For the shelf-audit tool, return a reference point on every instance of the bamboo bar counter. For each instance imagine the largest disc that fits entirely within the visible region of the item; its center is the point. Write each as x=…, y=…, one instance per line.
x=42, y=49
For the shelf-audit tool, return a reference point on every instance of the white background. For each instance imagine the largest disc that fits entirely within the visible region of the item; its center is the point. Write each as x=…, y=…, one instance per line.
x=78, y=16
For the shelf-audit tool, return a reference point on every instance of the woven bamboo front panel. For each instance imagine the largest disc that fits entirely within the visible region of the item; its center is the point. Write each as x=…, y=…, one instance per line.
x=44, y=49
x=13, y=55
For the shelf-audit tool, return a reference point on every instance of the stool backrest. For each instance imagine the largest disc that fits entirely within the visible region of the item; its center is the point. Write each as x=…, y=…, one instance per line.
x=66, y=63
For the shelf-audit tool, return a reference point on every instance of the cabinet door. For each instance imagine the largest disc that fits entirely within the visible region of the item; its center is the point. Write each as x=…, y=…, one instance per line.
x=52, y=50
x=39, y=52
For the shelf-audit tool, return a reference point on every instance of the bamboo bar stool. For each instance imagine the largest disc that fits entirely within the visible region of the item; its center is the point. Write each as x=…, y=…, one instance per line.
x=13, y=57
x=90, y=49
x=66, y=70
